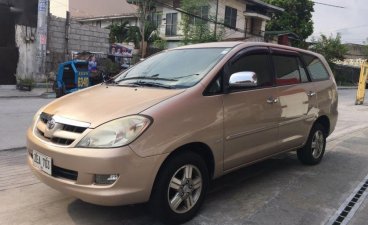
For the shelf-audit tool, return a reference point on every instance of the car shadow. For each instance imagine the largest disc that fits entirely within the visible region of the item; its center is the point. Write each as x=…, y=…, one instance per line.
x=220, y=191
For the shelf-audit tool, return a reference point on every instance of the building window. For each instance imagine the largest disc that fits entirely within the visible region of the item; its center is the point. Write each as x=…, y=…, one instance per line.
x=171, y=24
x=230, y=16
x=155, y=19
x=201, y=12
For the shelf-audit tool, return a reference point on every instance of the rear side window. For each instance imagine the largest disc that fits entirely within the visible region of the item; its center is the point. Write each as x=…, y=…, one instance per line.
x=316, y=68
x=287, y=69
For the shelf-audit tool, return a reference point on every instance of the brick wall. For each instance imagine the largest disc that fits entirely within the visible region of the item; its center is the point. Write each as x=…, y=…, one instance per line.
x=81, y=38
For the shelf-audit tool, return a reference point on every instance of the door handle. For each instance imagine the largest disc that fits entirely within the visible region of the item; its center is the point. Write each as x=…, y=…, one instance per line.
x=311, y=94
x=272, y=100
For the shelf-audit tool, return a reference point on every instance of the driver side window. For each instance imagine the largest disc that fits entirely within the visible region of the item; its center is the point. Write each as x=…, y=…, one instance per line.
x=257, y=63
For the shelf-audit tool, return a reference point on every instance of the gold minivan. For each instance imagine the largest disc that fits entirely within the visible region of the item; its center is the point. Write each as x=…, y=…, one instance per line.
x=161, y=130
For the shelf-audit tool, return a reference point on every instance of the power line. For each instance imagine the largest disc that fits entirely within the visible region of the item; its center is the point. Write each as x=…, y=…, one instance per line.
x=199, y=17
x=330, y=5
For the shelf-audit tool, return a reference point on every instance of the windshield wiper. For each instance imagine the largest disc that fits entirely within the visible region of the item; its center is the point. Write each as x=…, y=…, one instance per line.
x=189, y=75
x=151, y=84
x=145, y=78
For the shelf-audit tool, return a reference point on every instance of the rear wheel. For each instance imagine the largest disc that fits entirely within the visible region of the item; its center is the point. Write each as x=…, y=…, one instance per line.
x=312, y=152
x=180, y=188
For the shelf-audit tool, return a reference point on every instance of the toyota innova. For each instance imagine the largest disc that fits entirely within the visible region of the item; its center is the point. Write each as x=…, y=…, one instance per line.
x=160, y=131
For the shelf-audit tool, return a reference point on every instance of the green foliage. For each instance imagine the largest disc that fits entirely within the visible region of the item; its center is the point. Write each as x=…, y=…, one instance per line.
x=365, y=49
x=330, y=47
x=118, y=32
x=160, y=44
x=123, y=32
x=296, y=18
x=134, y=34
x=198, y=31
x=108, y=66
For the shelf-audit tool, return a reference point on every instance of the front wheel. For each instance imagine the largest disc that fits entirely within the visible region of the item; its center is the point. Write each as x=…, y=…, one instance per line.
x=180, y=188
x=312, y=152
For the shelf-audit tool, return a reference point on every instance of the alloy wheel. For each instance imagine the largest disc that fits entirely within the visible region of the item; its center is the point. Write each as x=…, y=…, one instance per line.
x=185, y=188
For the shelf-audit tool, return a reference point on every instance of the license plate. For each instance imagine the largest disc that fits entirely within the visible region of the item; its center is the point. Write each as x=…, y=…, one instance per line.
x=42, y=162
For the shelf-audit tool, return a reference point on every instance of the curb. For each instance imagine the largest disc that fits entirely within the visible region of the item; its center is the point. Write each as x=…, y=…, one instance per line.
x=13, y=149
x=346, y=87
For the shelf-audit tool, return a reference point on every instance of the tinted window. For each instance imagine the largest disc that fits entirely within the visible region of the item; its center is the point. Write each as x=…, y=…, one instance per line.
x=286, y=69
x=316, y=69
x=257, y=63
x=303, y=73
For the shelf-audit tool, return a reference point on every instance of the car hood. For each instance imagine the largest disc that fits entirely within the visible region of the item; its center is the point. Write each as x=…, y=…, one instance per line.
x=99, y=104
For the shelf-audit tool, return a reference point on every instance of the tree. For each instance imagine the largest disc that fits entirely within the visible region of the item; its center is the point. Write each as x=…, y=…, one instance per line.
x=365, y=49
x=196, y=30
x=144, y=8
x=296, y=18
x=330, y=47
x=118, y=32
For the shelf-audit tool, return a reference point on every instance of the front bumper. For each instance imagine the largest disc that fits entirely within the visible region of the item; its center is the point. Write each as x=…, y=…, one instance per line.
x=136, y=174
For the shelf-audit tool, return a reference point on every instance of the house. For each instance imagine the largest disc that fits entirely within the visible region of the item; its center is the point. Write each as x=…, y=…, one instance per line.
x=240, y=19
x=92, y=12
x=243, y=19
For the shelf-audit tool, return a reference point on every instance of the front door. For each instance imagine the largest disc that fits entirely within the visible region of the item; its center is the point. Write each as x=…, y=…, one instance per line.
x=251, y=115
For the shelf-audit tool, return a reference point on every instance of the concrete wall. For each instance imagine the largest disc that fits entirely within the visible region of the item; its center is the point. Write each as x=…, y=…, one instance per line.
x=24, y=37
x=81, y=38
x=105, y=23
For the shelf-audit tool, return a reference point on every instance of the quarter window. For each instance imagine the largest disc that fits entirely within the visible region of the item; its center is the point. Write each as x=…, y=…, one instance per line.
x=316, y=68
x=230, y=16
x=286, y=69
x=257, y=63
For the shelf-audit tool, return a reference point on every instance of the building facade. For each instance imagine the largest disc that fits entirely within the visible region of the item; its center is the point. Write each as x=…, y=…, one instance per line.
x=243, y=20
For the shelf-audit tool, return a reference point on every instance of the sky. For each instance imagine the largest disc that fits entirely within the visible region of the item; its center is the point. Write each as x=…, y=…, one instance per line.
x=59, y=7
x=351, y=22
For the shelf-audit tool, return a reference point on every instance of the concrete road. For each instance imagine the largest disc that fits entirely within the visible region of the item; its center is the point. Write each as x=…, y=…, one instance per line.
x=16, y=116
x=276, y=191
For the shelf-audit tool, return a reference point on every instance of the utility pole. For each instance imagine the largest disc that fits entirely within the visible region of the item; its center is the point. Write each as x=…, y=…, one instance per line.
x=41, y=38
x=217, y=7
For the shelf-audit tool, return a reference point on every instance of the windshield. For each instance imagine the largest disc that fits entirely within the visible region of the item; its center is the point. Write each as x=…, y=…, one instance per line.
x=180, y=68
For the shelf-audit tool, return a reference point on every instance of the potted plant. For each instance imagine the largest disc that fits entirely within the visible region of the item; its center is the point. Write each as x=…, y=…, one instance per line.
x=25, y=84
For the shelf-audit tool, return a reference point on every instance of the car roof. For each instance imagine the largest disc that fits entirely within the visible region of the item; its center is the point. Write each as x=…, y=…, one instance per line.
x=244, y=45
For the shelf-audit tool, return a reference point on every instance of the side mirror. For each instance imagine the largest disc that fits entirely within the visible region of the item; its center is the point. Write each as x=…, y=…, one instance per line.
x=243, y=79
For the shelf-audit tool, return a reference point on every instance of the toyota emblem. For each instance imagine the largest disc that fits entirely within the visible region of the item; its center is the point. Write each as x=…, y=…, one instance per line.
x=51, y=124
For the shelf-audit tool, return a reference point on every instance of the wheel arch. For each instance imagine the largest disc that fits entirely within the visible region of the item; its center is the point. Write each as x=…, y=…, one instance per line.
x=199, y=148
x=325, y=122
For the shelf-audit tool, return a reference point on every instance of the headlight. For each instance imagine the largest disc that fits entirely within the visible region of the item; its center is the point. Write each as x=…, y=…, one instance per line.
x=36, y=116
x=116, y=133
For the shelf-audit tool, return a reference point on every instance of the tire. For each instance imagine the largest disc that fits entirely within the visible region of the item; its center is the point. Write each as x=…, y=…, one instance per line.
x=313, y=150
x=59, y=92
x=172, y=186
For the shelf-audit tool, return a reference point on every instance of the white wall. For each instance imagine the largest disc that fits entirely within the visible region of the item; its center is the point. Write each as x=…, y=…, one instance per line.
x=27, y=51
x=240, y=5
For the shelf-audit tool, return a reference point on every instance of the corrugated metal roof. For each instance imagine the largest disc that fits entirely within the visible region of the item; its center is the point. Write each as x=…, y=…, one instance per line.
x=98, y=8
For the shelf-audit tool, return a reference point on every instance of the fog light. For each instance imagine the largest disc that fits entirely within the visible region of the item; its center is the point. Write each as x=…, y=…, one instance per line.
x=106, y=179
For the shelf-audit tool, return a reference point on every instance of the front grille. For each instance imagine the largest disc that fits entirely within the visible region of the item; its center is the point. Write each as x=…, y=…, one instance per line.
x=61, y=141
x=62, y=133
x=59, y=172
x=73, y=129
